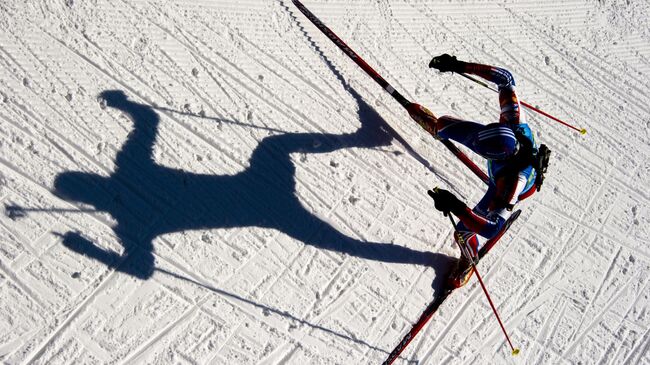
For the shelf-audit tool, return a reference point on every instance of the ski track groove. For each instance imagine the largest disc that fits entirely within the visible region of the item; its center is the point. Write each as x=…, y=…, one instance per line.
x=573, y=342
x=619, y=240
x=544, y=336
x=79, y=308
x=12, y=277
x=628, y=81
x=235, y=329
x=627, y=322
x=304, y=329
x=595, y=297
x=617, y=351
x=192, y=308
x=638, y=298
x=140, y=350
x=637, y=349
x=555, y=265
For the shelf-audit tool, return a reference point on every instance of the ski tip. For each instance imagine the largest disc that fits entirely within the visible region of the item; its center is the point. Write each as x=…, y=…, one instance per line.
x=583, y=131
x=515, y=352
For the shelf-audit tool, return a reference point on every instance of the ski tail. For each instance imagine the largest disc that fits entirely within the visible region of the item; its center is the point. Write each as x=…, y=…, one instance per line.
x=352, y=54
x=404, y=102
x=424, y=318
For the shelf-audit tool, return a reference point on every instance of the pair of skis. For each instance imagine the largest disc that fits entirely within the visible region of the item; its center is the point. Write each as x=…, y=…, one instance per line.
x=420, y=115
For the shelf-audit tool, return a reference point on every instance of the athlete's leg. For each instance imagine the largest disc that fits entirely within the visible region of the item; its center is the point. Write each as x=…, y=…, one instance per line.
x=478, y=222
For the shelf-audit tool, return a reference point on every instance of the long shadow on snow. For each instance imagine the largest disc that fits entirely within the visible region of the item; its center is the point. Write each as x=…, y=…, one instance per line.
x=147, y=200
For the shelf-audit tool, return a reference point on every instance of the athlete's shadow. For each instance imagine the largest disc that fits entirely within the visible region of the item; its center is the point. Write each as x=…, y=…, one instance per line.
x=147, y=200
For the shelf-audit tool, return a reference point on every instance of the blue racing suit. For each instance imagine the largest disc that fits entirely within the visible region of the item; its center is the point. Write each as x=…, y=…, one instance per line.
x=500, y=143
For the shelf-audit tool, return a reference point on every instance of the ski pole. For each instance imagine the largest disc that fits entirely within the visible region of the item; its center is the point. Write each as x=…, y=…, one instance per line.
x=463, y=249
x=582, y=131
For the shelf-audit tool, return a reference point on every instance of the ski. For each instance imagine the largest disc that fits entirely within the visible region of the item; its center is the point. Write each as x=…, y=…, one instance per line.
x=431, y=309
x=408, y=105
x=424, y=318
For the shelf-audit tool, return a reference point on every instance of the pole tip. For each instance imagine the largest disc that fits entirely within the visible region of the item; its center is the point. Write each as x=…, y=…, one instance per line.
x=515, y=352
x=583, y=131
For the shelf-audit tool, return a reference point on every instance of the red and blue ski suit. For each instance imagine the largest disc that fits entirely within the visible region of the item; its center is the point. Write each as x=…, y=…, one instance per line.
x=498, y=143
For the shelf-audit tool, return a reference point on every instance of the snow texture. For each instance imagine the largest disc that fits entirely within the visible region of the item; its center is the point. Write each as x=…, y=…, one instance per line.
x=214, y=181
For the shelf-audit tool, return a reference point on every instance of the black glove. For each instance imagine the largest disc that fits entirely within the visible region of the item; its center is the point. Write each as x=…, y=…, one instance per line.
x=446, y=202
x=446, y=63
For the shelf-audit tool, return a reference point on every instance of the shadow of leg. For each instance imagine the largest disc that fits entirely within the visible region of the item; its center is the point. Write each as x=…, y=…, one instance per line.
x=322, y=235
x=138, y=263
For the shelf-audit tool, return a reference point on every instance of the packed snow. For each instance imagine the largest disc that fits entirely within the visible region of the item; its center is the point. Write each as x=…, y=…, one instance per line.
x=214, y=181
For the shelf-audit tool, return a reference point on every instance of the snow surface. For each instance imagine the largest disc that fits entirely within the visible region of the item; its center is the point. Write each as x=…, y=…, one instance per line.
x=261, y=205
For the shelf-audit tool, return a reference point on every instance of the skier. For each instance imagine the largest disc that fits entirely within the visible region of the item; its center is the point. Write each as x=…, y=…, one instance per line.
x=514, y=162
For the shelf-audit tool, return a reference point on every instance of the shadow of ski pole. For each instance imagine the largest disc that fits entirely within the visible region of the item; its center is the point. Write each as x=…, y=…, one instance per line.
x=271, y=310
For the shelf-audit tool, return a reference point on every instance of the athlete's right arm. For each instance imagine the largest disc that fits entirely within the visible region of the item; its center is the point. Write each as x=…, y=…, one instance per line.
x=510, y=108
x=500, y=76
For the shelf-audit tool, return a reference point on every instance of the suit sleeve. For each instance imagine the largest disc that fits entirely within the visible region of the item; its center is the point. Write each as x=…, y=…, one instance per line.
x=510, y=108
